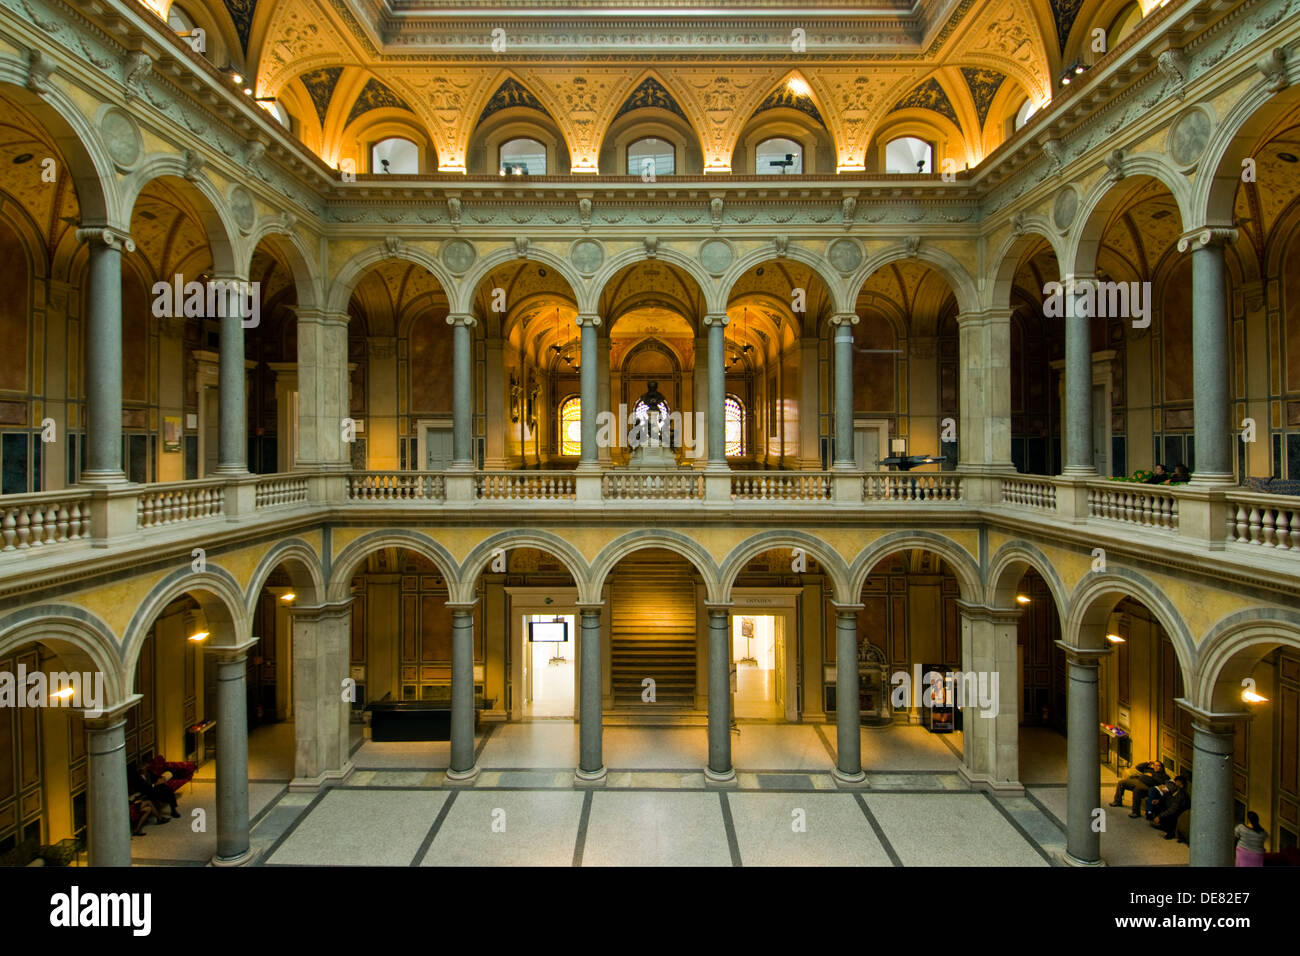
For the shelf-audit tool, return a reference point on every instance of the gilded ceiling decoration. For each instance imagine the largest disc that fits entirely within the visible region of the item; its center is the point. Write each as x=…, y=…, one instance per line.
x=1064, y=13
x=510, y=94
x=929, y=96
x=375, y=95
x=784, y=97
x=983, y=85
x=241, y=12
x=650, y=94
x=320, y=87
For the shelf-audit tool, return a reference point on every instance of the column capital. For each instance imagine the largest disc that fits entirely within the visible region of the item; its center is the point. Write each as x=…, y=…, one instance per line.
x=316, y=612
x=106, y=236
x=715, y=607
x=462, y=318
x=108, y=717
x=230, y=653
x=984, y=317
x=1213, y=722
x=1204, y=236
x=321, y=316
x=587, y=318
x=1085, y=656
x=983, y=612
x=845, y=318
x=716, y=318
x=592, y=607
x=846, y=608
x=462, y=606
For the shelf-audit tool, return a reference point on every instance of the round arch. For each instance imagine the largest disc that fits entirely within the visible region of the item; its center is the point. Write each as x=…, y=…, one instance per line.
x=545, y=541
x=962, y=564
x=589, y=298
x=274, y=230
x=959, y=280
x=349, y=560
x=1099, y=206
x=634, y=541
x=1214, y=193
x=80, y=638
x=78, y=140
x=345, y=280
x=765, y=541
x=818, y=264
x=1012, y=252
x=304, y=568
x=218, y=228
x=1009, y=565
x=1095, y=598
x=470, y=281
x=218, y=594
x=1230, y=650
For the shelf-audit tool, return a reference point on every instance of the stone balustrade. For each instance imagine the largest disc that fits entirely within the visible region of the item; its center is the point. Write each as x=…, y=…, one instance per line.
x=1147, y=506
x=39, y=520
x=781, y=486
x=1263, y=521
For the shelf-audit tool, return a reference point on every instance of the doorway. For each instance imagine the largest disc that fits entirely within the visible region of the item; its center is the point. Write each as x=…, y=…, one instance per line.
x=758, y=654
x=549, y=662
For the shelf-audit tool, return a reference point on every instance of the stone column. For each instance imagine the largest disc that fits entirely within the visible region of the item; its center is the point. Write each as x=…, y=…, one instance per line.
x=232, y=752
x=603, y=391
x=991, y=758
x=104, y=354
x=494, y=405
x=717, y=323
x=1212, y=412
x=719, y=769
x=108, y=815
x=809, y=444
x=984, y=436
x=322, y=718
x=1083, y=762
x=589, y=375
x=322, y=390
x=462, y=766
x=591, y=766
x=229, y=295
x=1210, y=835
x=843, y=323
x=462, y=444
x=848, y=725
x=1079, y=460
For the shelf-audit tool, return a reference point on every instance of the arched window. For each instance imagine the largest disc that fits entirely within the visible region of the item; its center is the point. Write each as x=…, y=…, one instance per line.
x=778, y=157
x=1027, y=109
x=571, y=426
x=186, y=29
x=1124, y=24
x=734, y=426
x=394, y=155
x=653, y=155
x=523, y=157
x=907, y=154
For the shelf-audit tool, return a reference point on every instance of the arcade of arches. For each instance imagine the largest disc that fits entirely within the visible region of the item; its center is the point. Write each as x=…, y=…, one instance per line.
x=374, y=420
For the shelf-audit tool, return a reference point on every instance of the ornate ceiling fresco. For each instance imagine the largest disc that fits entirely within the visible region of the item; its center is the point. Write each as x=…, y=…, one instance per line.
x=445, y=66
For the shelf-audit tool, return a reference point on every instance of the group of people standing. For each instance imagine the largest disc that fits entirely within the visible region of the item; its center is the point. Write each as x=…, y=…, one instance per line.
x=1166, y=800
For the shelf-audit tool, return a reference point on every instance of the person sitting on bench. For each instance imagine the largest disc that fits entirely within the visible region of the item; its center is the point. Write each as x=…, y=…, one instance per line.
x=1149, y=774
x=1178, y=801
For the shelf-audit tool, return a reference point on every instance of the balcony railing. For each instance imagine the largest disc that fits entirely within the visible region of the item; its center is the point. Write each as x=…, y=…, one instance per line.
x=892, y=486
x=1152, y=507
x=180, y=501
x=525, y=485
x=655, y=485
x=1264, y=521
x=781, y=486
x=396, y=486
x=50, y=517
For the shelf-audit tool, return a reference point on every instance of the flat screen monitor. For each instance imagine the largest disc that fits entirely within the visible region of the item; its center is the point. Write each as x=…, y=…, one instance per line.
x=553, y=632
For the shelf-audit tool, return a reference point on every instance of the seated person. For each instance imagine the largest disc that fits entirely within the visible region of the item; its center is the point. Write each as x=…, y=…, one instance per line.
x=1178, y=801
x=140, y=780
x=143, y=810
x=1157, y=798
x=1181, y=475
x=1159, y=475
x=1149, y=774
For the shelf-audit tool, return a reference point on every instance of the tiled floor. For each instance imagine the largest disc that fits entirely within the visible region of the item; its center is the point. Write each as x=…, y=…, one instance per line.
x=655, y=808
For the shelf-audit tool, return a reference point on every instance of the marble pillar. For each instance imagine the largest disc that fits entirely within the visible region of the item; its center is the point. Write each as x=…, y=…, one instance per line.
x=462, y=366
x=984, y=429
x=1079, y=453
x=228, y=293
x=717, y=440
x=104, y=354
x=463, y=765
x=1212, y=409
x=232, y=752
x=591, y=766
x=323, y=401
x=719, y=769
x=589, y=403
x=1212, y=822
x=1083, y=760
x=843, y=323
x=108, y=815
x=848, y=725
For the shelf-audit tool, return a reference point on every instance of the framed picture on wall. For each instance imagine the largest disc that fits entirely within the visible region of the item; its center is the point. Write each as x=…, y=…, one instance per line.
x=171, y=433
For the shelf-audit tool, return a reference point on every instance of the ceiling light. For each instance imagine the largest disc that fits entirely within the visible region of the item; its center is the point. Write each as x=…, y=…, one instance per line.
x=1114, y=638
x=1251, y=697
x=63, y=694
x=1022, y=599
x=198, y=636
x=288, y=597
x=797, y=86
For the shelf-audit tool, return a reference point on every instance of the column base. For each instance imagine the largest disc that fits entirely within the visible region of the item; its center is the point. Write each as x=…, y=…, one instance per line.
x=241, y=860
x=329, y=777
x=1071, y=471
x=720, y=779
x=848, y=779
x=589, y=778
x=103, y=478
x=983, y=782
x=458, y=778
x=1068, y=860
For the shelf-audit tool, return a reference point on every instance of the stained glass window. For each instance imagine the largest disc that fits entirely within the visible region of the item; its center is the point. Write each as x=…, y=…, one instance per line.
x=734, y=410
x=571, y=426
